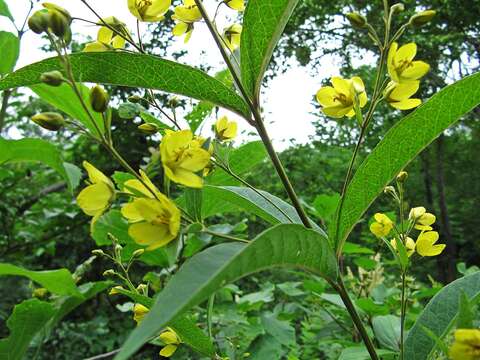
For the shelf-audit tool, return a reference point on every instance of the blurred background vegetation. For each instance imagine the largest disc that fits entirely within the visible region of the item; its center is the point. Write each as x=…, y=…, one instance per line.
x=279, y=314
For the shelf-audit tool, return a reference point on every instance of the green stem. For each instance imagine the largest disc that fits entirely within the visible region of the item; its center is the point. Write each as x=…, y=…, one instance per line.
x=340, y=288
x=225, y=236
x=211, y=301
x=403, y=311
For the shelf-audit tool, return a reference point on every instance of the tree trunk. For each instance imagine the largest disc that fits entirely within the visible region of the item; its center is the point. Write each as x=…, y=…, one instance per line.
x=447, y=260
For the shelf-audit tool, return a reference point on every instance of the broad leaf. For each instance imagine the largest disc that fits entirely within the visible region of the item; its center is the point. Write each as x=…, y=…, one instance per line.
x=28, y=318
x=202, y=275
x=361, y=353
x=263, y=24
x=135, y=70
x=36, y=150
x=10, y=46
x=63, y=98
x=387, y=331
x=439, y=315
x=56, y=281
x=402, y=143
x=4, y=11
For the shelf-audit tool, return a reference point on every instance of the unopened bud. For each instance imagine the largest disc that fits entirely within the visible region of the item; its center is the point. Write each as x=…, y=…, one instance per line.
x=49, y=120
x=98, y=252
x=356, y=20
x=52, y=78
x=148, y=128
x=402, y=176
x=58, y=23
x=115, y=290
x=98, y=99
x=422, y=18
x=389, y=190
x=134, y=99
x=61, y=10
x=398, y=7
x=38, y=22
x=173, y=102
x=109, y=272
x=138, y=252
x=40, y=293
x=142, y=288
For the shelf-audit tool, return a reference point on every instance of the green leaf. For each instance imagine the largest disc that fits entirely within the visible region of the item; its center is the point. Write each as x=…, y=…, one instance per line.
x=4, y=11
x=203, y=274
x=28, y=318
x=135, y=70
x=387, y=331
x=439, y=315
x=361, y=353
x=281, y=330
x=64, y=99
x=263, y=24
x=111, y=222
x=351, y=248
x=466, y=314
x=193, y=199
x=56, y=281
x=402, y=143
x=36, y=150
x=10, y=46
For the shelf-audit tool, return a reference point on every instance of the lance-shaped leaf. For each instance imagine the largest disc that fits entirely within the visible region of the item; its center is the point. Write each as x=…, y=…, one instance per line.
x=402, y=143
x=10, y=46
x=263, y=24
x=56, y=281
x=135, y=70
x=439, y=315
x=283, y=245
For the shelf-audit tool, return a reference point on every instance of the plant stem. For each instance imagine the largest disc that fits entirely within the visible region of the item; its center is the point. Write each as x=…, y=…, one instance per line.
x=225, y=236
x=340, y=288
x=403, y=310
x=211, y=301
x=258, y=123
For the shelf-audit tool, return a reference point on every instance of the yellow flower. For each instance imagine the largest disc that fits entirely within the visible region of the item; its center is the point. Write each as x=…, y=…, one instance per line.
x=149, y=10
x=421, y=218
x=95, y=199
x=402, y=67
x=338, y=101
x=107, y=39
x=182, y=157
x=231, y=36
x=171, y=340
x=225, y=130
x=409, y=245
x=426, y=244
x=238, y=5
x=399, y=95
x=185, y=15
x=466, y=345
x=155, y=219
x=139, y=312
x=382, y=225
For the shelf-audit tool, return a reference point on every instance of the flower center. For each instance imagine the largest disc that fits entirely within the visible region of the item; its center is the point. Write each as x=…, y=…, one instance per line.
x=143, y=5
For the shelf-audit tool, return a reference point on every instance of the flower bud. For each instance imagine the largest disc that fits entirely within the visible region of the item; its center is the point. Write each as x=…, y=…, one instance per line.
x=108, y=272
x=58, y=23
x=142, y=288
x=61, y=10
x=115, y=290
x=98, y=252
x=98, y=99
x=402, y=176
x=134, y=99
x=40, y=293
x=422, y=18
x=389, y=190
x=138, y=252
x=173, y=102
x=398, y=7
x=356, y=20
x=148, y=128
x=49, y=120
x=38, y=22
x=52, y=78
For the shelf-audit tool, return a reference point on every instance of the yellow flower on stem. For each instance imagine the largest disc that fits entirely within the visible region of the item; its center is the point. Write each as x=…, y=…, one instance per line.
x=145, y=187
x=185, y=15
x=339, y=100
x=107, y=39
x=232, y=35
x=409, y=245
x=421, y=218
x=399, y=95
x=171, y=340
x=466, y=345
x=382, y=225
x=183, y=157
x=426, y=244
x=139, y=312
x=96, y=198
x=238, y=5
x=401, y=66
x=225, y=130
x=149, y=10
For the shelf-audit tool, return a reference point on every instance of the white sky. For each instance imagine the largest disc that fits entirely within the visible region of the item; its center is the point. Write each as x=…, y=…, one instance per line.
x=287, y=101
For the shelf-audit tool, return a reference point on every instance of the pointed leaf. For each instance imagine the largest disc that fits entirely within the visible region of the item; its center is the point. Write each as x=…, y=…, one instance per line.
x=202, y=275
x=4, y=11
x=135, y=70
x=402, y=143
x=10, y=46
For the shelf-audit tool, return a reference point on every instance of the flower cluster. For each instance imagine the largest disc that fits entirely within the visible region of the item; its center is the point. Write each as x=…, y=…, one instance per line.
x=466, y=345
